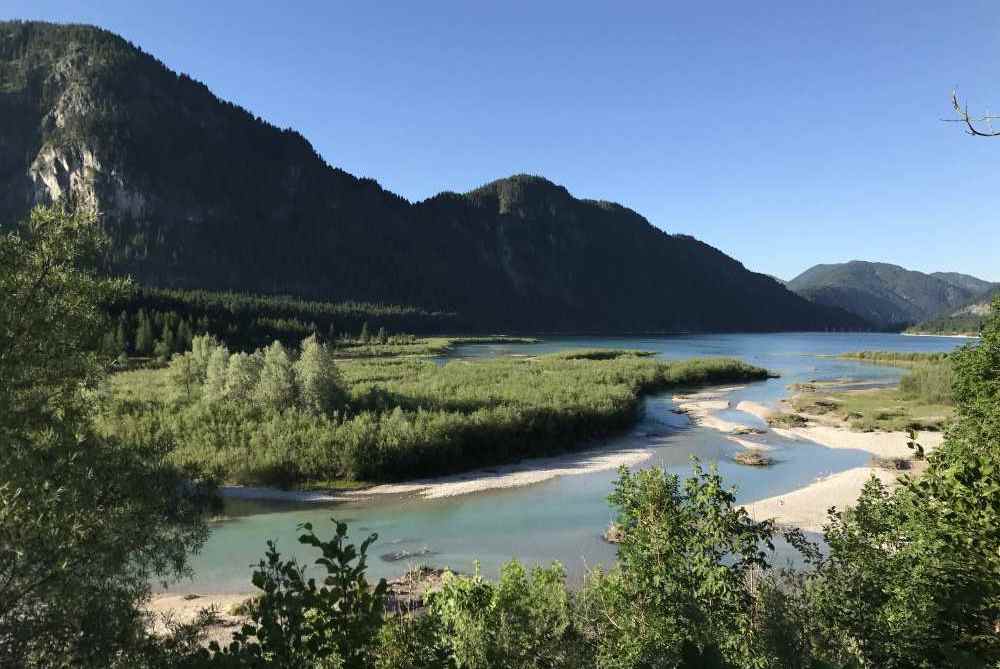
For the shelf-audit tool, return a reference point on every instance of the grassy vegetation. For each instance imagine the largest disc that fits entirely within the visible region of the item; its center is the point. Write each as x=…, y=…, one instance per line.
x=403, y=345
x=407, y=417
x=871, y=410
x=922, y=401
x=896, y=358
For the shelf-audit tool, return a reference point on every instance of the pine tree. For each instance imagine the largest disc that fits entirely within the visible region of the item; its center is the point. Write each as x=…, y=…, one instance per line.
x=364, y=333
x=165, y=345
x=122, y=339
x=184, y=336
x=144, y=341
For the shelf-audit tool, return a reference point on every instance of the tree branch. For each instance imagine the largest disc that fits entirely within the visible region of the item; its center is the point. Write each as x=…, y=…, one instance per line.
x=971, y=122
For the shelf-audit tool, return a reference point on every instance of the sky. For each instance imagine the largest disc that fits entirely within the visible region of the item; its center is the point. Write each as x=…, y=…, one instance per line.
x=785, y=133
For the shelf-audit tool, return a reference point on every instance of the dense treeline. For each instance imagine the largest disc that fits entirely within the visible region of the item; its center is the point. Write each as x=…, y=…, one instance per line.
x=197, y=193
x=398, y=419
x=152, y=321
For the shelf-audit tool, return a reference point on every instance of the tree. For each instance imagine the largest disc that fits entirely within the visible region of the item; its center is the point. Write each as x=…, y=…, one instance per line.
x=122, y=338
x=144, y=340
x=524, y=621
x=913, y=575
x=383, y=336
x=165, y=344
x=184, y=336
x=202, y=348
x=183, y=375
x=364, y=336
x=683, y=592
x=214, y=389
x=242, y=376
x=317, y=377
x=276, y=387
x=85, y=523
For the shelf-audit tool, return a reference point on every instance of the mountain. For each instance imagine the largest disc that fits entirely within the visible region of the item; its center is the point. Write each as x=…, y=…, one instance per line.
x=888, y=296
x=966, y=320
x=970, y=283
x=196, y=192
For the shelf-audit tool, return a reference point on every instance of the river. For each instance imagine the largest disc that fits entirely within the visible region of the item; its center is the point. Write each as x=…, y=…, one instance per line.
x=562, y=519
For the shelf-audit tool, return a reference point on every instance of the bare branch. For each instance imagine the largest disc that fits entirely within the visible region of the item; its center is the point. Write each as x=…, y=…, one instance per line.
x=974, y=125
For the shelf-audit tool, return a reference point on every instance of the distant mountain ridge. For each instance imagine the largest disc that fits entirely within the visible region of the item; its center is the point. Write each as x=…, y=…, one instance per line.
x=888, y=296
x=968, y=319
x=196, y=192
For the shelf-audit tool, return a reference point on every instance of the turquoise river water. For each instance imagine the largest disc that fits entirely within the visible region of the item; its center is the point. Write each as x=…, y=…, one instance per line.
x=562, y=519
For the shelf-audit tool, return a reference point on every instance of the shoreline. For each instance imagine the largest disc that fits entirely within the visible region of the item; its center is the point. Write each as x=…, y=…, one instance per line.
x=929, y=334
x=807, y=507
x=627, y=452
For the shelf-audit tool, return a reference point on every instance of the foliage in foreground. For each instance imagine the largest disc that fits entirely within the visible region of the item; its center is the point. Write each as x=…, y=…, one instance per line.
x=86, y=523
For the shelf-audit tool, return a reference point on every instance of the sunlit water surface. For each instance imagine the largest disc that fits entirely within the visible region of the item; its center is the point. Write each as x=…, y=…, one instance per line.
x=563, y=519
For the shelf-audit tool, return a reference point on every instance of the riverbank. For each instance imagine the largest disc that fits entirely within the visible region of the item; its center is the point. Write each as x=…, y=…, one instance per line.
x=224, y=613
x=526, y=472
x=807, y=507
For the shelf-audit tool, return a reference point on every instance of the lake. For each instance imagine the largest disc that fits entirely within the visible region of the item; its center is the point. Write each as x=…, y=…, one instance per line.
x=563, y=519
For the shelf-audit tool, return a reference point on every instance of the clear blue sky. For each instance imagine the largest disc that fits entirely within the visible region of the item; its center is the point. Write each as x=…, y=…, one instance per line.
x=786, y=133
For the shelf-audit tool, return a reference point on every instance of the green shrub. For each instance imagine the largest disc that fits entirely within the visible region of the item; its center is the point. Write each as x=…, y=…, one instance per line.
x=523, y=621
x=296, y=623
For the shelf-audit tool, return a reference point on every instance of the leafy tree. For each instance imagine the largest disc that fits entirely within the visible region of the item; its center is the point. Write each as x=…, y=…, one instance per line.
x=318, y=378
x=85, y=522
x=524, y=621
x=297, y=623
x=242, y=376
x=411, y=642
x=276, y=387
x=216, y=373
x=183, y=375
x=202, y=348
x=682, y=593
x=913, y=575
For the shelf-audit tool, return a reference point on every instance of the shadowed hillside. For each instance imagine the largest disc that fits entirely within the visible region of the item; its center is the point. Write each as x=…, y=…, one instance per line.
x=888, y=296
x=198, y=193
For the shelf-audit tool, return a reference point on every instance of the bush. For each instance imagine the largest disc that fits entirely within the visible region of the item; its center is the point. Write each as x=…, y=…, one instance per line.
x=524, y=621
x=683, y=592
x=929, y=383
x=295, y=623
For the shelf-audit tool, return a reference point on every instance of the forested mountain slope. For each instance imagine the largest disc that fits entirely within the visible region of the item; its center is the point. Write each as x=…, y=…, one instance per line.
x=888, y=296
x=968, y=319
x=198, y=193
